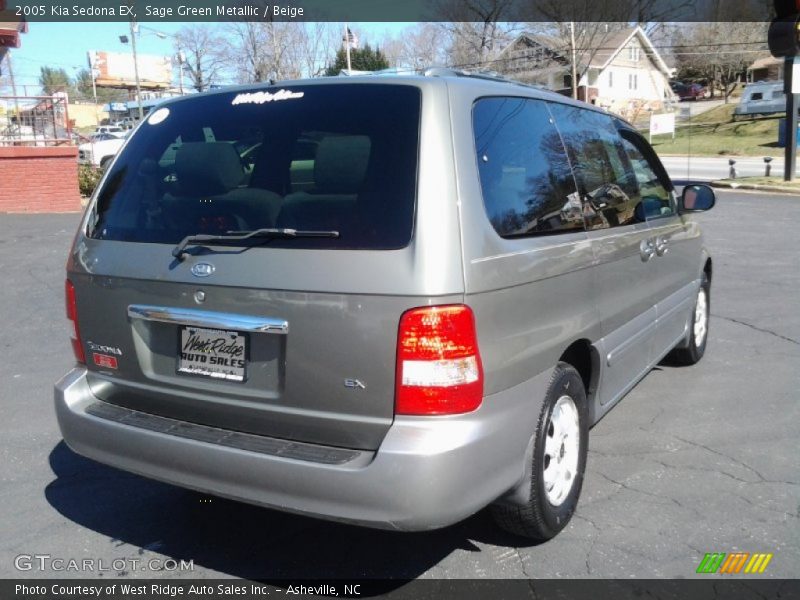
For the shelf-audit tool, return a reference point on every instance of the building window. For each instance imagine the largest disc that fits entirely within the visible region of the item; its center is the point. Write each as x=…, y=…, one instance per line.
x=611, y=79
x=633, y=81
x=633, y=53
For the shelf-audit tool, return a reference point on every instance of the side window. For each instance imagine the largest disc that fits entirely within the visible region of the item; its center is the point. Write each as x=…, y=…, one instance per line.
x=606, y=182
x=656, y=200
x=757, y=96
x=526, y=181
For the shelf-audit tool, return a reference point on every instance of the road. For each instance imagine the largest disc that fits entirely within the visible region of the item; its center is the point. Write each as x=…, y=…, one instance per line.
x=697, y=168
x=694, y=460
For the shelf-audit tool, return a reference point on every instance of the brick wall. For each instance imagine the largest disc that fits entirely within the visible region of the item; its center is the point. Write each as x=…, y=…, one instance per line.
x=39, y=179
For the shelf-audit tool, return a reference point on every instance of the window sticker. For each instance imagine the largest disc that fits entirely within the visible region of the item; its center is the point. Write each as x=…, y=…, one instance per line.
x=158, y=116
x=262, y=97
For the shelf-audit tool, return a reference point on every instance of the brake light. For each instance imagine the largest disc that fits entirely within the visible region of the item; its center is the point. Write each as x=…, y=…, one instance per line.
x=439, y=369
x=72, y=315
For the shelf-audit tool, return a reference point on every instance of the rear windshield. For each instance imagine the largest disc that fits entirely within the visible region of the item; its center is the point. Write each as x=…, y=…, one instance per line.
x=339, y=157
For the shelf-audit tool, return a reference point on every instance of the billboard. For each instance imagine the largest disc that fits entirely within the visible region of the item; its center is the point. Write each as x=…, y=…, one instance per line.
x=115, y=69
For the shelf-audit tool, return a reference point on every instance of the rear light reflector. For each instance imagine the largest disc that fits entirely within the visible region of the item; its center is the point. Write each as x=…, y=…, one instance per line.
x=72, y=315
x=439, y=369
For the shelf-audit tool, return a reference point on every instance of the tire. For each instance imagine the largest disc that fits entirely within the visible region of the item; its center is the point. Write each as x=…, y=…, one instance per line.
x=694, y=347
x=550, y=507
x=104, y=161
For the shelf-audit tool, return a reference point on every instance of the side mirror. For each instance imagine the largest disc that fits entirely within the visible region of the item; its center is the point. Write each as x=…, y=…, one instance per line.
x=697, y=198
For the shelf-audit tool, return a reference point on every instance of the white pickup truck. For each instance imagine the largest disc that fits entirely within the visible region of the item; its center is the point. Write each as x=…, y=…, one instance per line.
x=100, y=150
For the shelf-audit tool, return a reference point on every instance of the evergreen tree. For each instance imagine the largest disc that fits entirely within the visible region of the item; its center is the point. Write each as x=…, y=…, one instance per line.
x=361, y=59
x=55, y=80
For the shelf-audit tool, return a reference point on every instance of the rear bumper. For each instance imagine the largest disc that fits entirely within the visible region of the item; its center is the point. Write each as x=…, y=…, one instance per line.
x=428, y=473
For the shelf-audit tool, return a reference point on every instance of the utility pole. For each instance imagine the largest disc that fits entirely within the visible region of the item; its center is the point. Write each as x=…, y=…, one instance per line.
x=136, y=69
x=790, y=82
x=92, y=67
x=574, y=58
x=347, y=46
x=784, y=42
x=181, y=59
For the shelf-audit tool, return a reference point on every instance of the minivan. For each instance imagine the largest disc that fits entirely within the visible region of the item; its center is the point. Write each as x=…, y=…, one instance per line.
x=390, y=301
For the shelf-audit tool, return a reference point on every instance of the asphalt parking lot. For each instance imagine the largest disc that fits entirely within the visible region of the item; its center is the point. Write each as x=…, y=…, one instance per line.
x=694, y=460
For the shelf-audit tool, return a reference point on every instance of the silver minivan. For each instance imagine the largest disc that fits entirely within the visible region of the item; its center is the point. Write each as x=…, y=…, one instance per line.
x=383, y=300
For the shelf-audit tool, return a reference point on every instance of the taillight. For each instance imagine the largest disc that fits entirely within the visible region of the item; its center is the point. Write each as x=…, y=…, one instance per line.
x=72, y=315
x=439, y=369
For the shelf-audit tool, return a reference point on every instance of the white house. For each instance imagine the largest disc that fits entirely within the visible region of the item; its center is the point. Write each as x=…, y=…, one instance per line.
x=621, y=70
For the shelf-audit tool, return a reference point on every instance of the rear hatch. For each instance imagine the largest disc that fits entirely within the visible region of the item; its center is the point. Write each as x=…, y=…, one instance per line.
x=284, y=335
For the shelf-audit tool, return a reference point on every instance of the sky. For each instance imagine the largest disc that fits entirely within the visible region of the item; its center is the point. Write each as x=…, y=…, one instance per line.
x=65, y=45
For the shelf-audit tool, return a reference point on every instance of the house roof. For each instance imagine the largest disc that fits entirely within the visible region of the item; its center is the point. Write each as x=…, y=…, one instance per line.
x=765, y=62
x=609, y=47
x=9, y=33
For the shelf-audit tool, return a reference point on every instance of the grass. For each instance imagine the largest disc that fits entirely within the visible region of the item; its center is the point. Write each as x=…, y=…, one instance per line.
x=715, y=133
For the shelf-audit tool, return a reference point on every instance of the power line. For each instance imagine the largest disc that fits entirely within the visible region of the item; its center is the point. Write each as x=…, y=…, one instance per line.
x=554, y=63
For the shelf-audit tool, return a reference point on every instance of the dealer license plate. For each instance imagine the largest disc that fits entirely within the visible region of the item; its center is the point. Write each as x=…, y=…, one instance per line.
x=212, y=353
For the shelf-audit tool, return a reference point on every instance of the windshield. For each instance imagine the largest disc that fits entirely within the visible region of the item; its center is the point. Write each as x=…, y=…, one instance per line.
x=339, y=157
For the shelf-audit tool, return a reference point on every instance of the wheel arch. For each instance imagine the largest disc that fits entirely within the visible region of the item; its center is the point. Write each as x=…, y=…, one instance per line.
x=708, y=268
x=583, y=356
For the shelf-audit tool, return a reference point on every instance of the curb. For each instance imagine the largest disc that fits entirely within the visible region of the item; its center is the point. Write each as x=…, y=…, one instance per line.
x=755, y=187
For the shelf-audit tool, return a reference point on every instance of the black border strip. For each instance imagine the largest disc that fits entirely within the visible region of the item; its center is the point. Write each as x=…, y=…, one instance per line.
x=712, y=586
x=630, y=11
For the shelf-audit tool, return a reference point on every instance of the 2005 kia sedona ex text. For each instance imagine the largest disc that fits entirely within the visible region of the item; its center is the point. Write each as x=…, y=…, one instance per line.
x=383, y=300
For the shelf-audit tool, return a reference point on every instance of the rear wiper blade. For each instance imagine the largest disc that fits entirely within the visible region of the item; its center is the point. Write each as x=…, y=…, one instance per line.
x=237, y=236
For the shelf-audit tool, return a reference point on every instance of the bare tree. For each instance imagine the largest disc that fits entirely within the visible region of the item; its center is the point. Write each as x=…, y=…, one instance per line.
x=258, y=50
x=477, y=29
x=316, y=45
x=705, y=51
x=417, y=47
x=202, y=60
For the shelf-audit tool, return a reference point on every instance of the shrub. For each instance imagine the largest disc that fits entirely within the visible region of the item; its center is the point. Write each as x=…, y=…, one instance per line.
x=88, y=178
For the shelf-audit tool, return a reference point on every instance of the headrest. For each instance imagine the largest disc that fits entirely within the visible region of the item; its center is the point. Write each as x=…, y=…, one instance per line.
x=341, y=163
x=207, y=168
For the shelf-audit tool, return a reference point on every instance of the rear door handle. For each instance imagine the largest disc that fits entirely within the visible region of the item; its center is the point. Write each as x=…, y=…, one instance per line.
x=662, y=244
x=204, y=318
x=647, y=249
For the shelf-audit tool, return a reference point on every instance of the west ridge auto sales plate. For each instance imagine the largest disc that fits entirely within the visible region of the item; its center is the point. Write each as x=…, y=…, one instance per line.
x=212, y=353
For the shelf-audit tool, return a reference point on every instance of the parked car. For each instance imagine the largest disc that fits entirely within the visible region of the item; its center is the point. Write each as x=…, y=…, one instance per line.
x=690, y=91
x=125, y=123
x=110, y=129
x=100, y=149
x=391, y=322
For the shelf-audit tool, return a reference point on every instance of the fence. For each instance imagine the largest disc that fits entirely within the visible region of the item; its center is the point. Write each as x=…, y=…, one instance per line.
x=35, y=121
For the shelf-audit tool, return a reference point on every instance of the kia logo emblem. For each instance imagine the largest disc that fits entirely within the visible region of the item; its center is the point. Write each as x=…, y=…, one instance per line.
x=202, y=269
